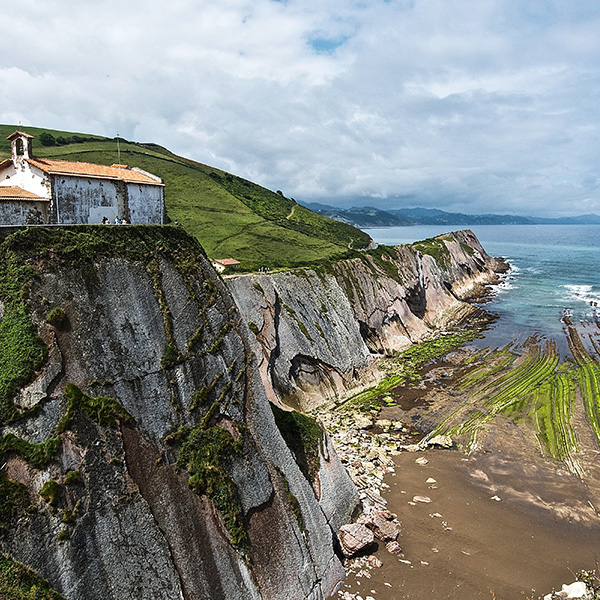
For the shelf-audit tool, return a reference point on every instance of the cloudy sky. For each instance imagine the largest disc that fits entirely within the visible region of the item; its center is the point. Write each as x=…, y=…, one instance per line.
x=482, y=106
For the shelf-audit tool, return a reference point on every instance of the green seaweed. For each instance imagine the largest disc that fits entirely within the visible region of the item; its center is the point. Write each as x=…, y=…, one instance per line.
x=406, y=368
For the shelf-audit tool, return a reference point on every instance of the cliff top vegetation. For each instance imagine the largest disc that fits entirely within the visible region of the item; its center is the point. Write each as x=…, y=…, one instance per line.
x=230, y=216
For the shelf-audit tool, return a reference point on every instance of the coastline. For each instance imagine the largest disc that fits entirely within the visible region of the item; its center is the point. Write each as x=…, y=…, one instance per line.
x=505, y=521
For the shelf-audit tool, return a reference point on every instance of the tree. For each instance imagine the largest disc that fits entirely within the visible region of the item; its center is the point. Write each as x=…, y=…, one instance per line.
x=47, y=139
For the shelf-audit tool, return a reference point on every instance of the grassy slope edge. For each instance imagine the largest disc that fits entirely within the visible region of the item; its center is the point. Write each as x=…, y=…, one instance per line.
x=230, y=216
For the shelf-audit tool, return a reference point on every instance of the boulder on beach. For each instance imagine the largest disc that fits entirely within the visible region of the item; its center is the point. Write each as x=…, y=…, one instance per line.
x=393, y=548
x=440, y=441
x=576, y=591
x=355, y=538
x=382, y=524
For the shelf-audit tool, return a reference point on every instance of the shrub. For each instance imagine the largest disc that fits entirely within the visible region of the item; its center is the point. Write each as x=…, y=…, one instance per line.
x=47, y=139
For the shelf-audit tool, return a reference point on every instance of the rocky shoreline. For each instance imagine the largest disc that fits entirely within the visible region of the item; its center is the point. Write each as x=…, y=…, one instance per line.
x=366, y=446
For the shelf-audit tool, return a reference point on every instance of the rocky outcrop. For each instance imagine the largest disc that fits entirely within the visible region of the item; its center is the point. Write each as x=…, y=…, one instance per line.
x=320, y=329
x=141, y=458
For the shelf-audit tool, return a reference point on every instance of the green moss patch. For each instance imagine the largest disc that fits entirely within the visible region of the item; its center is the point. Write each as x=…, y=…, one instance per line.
x=303, y=436
x=36, y=455
x=72, y=478
x=171, y=357
x=101, y=410
x=22, y=352
x=205, y=454
x=17, y=582
x=50, y=492
x=56, y=317
x=293, y=501
x=13, y=500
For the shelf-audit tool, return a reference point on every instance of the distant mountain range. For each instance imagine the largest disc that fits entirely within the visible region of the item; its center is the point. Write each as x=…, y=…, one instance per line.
x=369, y=216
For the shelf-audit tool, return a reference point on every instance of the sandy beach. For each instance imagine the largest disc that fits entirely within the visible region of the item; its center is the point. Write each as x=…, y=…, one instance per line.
x=471, y=543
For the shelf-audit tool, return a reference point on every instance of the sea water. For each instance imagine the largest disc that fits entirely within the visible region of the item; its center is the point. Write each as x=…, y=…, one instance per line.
x=555, y=270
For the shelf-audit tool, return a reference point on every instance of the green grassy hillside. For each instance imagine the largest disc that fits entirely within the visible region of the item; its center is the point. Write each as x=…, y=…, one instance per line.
x=232, y=217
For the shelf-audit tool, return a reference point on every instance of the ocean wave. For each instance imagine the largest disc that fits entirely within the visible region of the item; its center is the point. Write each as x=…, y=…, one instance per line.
x=535, y=270
x=506, y=285
x=583, y=293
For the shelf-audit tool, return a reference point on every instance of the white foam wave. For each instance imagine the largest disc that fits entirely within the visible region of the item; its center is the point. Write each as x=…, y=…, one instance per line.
x=505, y=286
x=583, y=293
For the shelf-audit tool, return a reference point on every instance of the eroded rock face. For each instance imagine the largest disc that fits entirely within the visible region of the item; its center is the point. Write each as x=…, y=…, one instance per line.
x=310, y=341
x=154, y=337
x=319, y=331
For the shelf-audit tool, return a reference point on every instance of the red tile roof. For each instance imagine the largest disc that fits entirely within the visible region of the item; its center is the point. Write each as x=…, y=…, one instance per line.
x=11, y=192
x=19, y=134
x=53, y=166
x=227, y=262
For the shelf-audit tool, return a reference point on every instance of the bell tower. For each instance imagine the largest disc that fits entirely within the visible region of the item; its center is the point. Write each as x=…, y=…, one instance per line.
x=22, y=146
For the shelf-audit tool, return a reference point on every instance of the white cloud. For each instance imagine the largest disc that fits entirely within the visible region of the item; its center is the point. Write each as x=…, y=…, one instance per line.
x=486, y=106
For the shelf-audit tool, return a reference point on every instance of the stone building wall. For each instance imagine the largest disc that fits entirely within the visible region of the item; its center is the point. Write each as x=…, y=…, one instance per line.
x=16, y=212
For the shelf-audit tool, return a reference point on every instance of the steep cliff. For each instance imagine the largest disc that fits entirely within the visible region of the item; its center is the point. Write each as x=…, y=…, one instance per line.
x=319, y=329
x=140, y=456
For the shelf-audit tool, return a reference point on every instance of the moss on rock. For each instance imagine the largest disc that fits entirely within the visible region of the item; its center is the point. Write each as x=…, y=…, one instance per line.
x=17, y=582
x=303, y=436
x=102, y=410
x=205, y=454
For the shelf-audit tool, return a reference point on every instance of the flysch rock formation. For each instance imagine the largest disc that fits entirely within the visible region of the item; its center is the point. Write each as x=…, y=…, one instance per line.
x=140, y=454
x=163, y=474
x=319, y=330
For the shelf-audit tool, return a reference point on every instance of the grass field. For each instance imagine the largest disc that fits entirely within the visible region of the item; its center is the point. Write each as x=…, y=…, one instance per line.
x=230, y=216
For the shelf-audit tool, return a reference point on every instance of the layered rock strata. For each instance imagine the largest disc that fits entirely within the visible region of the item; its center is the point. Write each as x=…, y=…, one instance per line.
x=142, y=459
x=319, y=330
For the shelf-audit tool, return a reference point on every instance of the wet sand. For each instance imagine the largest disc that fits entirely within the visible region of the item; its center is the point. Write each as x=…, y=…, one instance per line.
x=479, y=547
